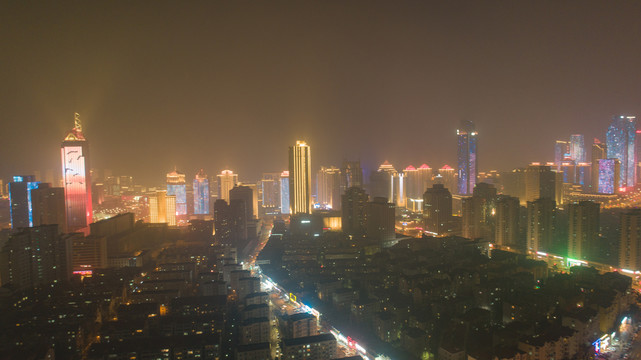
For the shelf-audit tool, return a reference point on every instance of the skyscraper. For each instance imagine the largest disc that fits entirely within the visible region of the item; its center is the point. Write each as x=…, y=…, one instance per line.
x=620, y=140
x=583, y=231
x=351, y=175
x=598, y=152
x=447, y=178
x=540, y=182
x=270, y=186
x=541, y=215
x=246, y=195
x=437, y=209
x=226, y=181
x=577, y=148
x=328, y=187
x=21, y=206
x=382, y=182
x=467, y=157
x=48, y=204
x=300, y=175
x=380, y=220
x=201, y=193
x=478, y=212
x=507, y=221
x=416, y=182
x=162, y=208
x=630, y=244
x=284, y=192
x=354, y=217
x=176, y=186
x=77, y=178
x=561, y=150
x=609, y=172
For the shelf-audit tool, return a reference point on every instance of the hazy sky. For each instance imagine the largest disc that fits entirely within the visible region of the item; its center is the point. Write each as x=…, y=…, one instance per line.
x=217, y=84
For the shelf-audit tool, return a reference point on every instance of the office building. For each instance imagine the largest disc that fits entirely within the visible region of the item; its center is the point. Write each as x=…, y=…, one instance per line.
x=447, y=177
x=417, y=180
x=48, y=205
x=246, y=195
x=621, y=144
x=561, y=152
x=467, y=157
x=381, y=220
x=230, y=222
x=222, y=223
x=270, y=192
x=300, y=179
x=507, y=221
x=437, y=210
x=630, y=241
x=577, y=148
x=541, y=217
x=351, y=175
x=201, y=193
x=77, y=178
x=609, y=172
x=176, y=186
x=328, y=188
x=284, y=192
x=226, y=181
x=162, y=208
x=21, y=207
x=599, y=152
x=87, y=252
x=540, y=182
x=479, y=211
x=583, y=232
x=354, y=215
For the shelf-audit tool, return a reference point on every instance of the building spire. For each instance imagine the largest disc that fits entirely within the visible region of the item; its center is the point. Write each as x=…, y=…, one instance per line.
x=76, y=122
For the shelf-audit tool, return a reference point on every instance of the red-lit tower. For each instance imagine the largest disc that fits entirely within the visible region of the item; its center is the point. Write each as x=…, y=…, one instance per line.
x=77, y=179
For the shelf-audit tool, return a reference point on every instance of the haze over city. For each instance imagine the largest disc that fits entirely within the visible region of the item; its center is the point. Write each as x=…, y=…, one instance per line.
x=160, y=85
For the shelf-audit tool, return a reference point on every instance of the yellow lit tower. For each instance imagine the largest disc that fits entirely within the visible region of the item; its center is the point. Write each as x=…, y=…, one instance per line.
x=300, y=179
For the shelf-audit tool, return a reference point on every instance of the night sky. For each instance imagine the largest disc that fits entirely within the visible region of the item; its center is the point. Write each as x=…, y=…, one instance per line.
x=232, y=84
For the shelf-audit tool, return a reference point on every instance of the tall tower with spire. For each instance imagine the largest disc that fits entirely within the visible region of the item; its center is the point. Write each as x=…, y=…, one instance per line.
x=77, y=179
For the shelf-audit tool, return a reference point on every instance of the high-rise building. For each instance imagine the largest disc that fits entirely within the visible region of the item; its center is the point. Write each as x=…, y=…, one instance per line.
x=583, y=231
x=48, y=204
x=246, y=195
x=598, y=152
x=417, y=180
x=437, y=209
x=479, y=211
x=568, y=169
x=541, y=215
x=77, y=178
x=230, y=223
x=447, y=178
x=226, y=181
x=300, y=175
x=176, y=186
x=351, y=175
x=21, y=206
x=270, y=186
x=328, y=187
x=561, y=151
x=467, y=157
x=354, y=216
x=630, y=242
x=162, y=208
x=284, y=192
x=222, y=223
x=540, y=182
x=201, y=193
x=577, y=148
x=584, y=175
x=381, y=220
x=609, y=172
x=507, y=221
x=621, y=142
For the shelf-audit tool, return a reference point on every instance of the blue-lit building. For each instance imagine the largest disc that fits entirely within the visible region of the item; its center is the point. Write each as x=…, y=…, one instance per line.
x=284, y=192
x=20, y=200
x=561, y=150
x=467, y=159
x=609, y=170
x=201, y=193
x=176, y=186
x=577, y=148
x=620, y=144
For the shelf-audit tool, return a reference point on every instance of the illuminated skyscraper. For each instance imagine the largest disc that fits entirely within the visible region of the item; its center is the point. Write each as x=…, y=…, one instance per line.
x=300, y=175
x=598, y=152
x=437, y=209
x=577, y=148
x=284, y=192
x=77, y=178
x=226, y=181
x=201, y=193
x=561, y=150
x=447, y=178
x=583, y=231
x=620, y=140
x=21, y=208
x=162, y=208
x=351, y=174
x=467, y=157
x=270, y=186
x=176, y=186
x=609, y=172
x=328, y=187
x=630, y=243
x=541, y=215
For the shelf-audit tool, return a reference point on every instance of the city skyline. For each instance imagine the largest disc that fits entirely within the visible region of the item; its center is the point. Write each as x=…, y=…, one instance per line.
x=521, y=92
